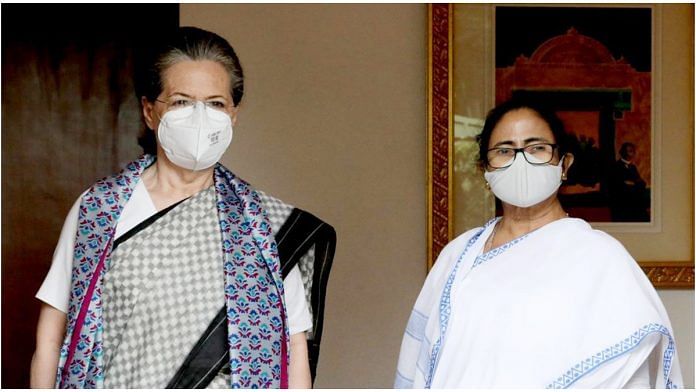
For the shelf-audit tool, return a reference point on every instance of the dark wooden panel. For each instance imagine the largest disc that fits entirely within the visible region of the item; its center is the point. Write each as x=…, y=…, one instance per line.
x=69, y=116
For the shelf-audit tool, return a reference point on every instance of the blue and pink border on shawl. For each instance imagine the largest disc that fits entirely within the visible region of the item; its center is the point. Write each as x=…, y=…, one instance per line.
x=253, y=285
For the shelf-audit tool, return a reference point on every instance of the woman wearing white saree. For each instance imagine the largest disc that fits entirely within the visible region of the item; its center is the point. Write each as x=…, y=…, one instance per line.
x=535, y=299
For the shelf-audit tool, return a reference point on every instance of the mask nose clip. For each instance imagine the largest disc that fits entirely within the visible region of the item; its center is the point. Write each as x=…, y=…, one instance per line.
x=198, y=112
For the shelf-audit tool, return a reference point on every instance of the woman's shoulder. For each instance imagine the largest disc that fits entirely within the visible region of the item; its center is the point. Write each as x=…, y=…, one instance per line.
x=595, y=244
x=270, y=201
x=454, y=248
x=273, y=204
x=277, y=210
x=578, y=228
x=460, y=241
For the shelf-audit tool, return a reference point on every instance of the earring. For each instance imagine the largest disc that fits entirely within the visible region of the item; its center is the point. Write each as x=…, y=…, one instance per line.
x=564, y=177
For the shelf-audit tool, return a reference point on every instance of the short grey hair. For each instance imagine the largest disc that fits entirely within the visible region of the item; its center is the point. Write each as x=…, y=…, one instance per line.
x=189, y=43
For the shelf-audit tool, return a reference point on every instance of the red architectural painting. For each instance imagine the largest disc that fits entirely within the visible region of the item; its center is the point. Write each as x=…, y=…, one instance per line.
x=604, y=102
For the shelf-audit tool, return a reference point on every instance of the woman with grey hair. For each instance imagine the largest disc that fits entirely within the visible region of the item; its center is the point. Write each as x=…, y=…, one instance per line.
x=154, y=261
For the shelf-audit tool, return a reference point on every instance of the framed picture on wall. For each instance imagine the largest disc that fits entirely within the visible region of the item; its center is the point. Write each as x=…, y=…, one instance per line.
x=603, y=82
x=592, y=66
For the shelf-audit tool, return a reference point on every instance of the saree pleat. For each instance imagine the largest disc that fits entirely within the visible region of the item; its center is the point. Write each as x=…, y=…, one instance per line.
x=162, y=288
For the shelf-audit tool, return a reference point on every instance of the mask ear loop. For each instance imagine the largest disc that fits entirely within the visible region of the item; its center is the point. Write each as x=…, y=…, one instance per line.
x=160, y=120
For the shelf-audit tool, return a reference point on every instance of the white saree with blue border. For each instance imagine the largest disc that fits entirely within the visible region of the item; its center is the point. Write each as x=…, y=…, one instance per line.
x=563, y=306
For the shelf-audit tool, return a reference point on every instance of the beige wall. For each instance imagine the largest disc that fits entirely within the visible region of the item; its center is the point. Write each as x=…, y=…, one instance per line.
x=333, y=121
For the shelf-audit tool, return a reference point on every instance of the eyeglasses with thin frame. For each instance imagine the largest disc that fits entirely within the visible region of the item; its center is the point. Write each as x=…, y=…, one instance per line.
x=180, y=103
x=535, y=154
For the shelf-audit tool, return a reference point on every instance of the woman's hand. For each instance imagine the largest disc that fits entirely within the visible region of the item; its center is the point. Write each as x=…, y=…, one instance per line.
x=299, y=377
x=49, y=339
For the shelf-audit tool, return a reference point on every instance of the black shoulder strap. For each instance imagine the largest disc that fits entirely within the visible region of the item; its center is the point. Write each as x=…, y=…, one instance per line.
x=144, y=224
x=299, y=232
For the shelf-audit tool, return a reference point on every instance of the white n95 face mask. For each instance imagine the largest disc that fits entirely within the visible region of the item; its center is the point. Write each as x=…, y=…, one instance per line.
x=523, y=184
x=195, y=137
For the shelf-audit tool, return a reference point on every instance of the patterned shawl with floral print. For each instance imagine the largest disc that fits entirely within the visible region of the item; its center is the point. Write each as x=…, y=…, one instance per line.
x=257, y=325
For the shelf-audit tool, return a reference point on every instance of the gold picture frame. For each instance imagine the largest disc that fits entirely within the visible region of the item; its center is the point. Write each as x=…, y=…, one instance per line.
x=440, y=224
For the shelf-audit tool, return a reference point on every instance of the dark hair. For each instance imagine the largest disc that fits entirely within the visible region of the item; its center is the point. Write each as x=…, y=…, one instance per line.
x=186, y=43
x=545, y=113
x=624, y=147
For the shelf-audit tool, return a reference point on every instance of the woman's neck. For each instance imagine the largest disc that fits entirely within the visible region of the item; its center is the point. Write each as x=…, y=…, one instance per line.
x=168, y=183
x=518, y=221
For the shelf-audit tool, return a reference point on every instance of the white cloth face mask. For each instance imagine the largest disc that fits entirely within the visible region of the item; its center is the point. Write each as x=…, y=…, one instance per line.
x=195, y=137
x=523, y=184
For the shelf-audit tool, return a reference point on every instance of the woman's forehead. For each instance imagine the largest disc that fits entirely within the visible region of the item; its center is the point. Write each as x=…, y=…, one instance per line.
x=198, y=78
x=520, y=125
